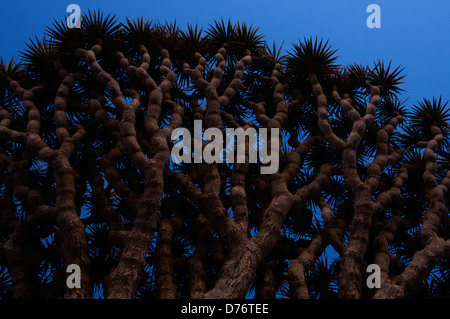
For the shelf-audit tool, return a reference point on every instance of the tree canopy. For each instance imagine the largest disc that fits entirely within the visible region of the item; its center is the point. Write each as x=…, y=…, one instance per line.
x=86, y=177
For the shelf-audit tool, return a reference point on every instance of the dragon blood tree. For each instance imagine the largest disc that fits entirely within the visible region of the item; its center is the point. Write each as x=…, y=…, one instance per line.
x=87, y=177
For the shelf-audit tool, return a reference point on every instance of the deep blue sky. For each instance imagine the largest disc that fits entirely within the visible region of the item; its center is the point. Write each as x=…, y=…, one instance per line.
x=414, y=34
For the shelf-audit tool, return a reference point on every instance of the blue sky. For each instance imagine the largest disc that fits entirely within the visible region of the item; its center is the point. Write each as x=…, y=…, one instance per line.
x=414, y=34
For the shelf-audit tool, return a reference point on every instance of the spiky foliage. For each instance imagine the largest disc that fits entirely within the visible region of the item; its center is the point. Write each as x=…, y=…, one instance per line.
x=237, y=37
x=426, y=114
x=312, y=55
x=139, y=32
x=322, y=279
x=389, y=79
